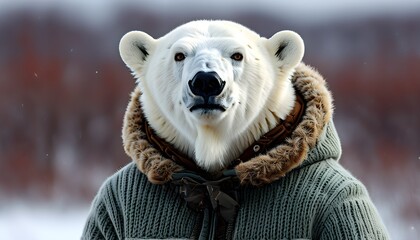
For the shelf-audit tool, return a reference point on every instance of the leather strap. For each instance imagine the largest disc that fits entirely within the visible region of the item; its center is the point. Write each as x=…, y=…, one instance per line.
x=276, y=135
x=170, y=151
x=265, y=143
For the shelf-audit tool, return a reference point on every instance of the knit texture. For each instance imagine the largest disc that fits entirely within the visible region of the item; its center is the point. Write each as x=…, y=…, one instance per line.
x=129, y=206
x=303, y=192
x=319, y=200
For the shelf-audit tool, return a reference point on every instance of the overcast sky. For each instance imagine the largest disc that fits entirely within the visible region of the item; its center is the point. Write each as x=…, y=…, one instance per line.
x=299, y=9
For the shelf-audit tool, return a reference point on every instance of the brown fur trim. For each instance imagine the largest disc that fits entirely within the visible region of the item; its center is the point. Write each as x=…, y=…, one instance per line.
x=257, y=171
x=285, y=157
x=148, y=160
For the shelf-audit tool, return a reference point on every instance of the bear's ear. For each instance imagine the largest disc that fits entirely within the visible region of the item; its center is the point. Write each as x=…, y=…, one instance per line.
x=287, y=47
x=134, y=48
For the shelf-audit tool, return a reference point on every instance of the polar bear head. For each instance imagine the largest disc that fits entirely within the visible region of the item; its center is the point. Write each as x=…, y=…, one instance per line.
x=211, y=88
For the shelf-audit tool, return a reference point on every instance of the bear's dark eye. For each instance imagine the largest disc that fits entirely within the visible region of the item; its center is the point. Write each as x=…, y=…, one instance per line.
x=179, y=57
x=237, y=56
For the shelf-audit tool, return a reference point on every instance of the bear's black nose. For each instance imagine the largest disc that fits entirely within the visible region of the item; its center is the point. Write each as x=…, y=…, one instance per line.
x=206, y=84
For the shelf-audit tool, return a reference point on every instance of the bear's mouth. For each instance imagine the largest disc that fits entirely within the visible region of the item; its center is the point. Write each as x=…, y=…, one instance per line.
x=207, y=107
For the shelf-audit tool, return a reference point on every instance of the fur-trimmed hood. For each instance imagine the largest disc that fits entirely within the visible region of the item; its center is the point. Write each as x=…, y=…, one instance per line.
x=262, y=169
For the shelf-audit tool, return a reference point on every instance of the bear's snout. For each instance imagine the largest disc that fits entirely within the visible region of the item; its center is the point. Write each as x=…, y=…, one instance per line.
x=206, y=84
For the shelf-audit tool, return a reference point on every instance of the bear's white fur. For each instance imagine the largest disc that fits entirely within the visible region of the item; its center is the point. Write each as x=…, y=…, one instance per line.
x=256, y=95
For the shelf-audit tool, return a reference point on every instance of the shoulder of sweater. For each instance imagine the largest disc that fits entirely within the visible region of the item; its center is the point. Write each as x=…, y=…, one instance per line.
x=120, y=181
x=349, y=204
x=331, y=177
x=347, y=186
x=332, y=182
x=343, y=173
x=105, y=216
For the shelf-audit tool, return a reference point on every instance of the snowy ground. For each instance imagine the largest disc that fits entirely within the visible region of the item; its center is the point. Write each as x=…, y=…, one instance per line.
x=41, y=222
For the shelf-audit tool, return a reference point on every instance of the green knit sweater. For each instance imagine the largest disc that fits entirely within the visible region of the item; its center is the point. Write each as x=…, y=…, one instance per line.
x=317, y=199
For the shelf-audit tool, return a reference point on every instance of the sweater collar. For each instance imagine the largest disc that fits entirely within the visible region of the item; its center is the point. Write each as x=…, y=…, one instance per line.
x=156, y=159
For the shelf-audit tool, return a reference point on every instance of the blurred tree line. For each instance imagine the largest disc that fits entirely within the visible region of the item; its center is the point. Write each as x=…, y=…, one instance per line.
x=64, y=90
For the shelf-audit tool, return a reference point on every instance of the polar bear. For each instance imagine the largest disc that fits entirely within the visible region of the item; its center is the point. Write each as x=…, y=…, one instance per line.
x=213, y=88
x=231, y=137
